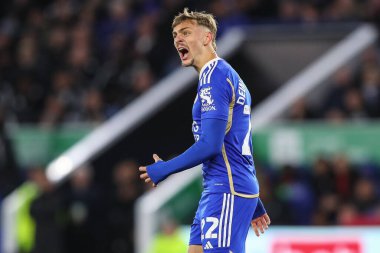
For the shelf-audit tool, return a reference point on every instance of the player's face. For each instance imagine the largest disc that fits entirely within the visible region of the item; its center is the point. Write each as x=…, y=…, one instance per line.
x=188, y=41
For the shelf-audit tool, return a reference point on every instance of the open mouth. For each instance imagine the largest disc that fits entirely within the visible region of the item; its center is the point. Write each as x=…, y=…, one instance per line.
x=183, y=52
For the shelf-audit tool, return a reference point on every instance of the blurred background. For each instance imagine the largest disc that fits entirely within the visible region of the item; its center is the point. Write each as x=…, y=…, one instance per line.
x=90, y=89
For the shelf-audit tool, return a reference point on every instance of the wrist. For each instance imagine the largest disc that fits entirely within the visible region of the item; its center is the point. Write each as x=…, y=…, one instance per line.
x=156, y=172
x=260, y=210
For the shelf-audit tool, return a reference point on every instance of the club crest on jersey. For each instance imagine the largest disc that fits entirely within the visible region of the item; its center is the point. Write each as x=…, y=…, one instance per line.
x=206, y=99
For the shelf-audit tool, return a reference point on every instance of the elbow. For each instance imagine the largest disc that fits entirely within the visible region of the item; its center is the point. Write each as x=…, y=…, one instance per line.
x=214, y=150
x=210, y=147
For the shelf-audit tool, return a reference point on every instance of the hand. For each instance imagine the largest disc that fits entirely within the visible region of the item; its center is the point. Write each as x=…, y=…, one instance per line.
x=260, y=224
x=144, y=175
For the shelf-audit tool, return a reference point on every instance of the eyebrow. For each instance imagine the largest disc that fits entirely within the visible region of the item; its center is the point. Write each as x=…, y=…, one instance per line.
x=180, y=30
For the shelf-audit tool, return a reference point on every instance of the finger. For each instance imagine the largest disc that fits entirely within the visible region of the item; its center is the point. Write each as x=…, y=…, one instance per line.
x=156, y=158
x=142, y=168
x=254, y=226
x=267, y=219
x=260, y=225
x=265, y=225
x=148, y=180
x=154, y=185
x=144, y=176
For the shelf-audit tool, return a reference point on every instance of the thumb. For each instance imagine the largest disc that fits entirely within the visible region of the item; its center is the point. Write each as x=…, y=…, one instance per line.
x=156, y=158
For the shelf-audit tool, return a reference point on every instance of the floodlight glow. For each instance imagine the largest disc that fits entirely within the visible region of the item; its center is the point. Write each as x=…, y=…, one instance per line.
x=60, y=168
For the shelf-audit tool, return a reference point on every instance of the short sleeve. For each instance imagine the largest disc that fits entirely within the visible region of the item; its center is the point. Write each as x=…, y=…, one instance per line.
x=215, y=97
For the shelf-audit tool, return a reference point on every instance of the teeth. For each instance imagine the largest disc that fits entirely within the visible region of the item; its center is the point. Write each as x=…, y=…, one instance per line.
x=181, y=48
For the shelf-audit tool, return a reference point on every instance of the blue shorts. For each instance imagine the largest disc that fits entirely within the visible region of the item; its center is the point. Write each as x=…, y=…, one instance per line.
x=221, y=222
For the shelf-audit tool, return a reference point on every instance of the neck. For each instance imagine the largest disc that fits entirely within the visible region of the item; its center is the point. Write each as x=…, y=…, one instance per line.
x=207, y=57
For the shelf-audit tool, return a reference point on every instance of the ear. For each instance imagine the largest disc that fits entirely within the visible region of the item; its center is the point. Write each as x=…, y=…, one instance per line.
x=207, y=38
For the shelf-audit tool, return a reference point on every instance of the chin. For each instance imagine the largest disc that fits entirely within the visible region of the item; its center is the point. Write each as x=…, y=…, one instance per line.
x=188, y=63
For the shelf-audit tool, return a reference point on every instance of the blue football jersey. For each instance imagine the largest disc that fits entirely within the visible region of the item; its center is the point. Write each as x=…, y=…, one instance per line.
x=221, y=94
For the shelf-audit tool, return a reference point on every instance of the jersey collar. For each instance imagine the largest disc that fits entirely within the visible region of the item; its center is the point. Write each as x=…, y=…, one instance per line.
x=206, y=65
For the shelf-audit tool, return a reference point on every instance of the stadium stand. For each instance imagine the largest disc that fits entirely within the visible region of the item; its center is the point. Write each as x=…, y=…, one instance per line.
x=64, y=62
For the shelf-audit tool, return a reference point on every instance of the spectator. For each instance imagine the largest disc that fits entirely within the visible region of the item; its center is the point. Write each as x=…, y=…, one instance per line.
x=326, y=211
x=145, y=34
x=347, y=214
x=169, y=240
x=294, y=191
x=85, y=214
x=28, y=99
x=26, y=226
x=341, y=10
x=322, y=178
x=142, y=80
x=342, y=81
x=46, y=211
x=309, y=13
x=353, y=104
x=57, y=46
x=344, y=177
x=92, y=110
x=288, y=11
x=370, y=90
x=120, y=218
x=365, y=198
x=8, y=166
x=63, y=103
x=229, y=15
x=299, y=111
x=273, y=202
x=372, y=12
x=335, y=115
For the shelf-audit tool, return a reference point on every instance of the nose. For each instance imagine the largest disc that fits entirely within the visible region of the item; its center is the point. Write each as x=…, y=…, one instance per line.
x=178, y=39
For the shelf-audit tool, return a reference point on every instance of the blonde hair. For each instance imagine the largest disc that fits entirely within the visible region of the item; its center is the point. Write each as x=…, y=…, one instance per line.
x=202, y=18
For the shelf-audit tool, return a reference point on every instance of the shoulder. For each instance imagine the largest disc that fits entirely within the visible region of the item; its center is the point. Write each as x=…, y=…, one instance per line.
x=215, y=72
x=214, y=82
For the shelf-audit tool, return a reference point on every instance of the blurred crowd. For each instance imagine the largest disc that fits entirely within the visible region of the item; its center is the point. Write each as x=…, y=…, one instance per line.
x=84, y=216
x=81, y=61
x=81, y=216
x=329, y=192
x=353, y=93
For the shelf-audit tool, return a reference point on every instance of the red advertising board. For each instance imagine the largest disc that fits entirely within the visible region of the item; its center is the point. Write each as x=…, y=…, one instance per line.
x=317, y=245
